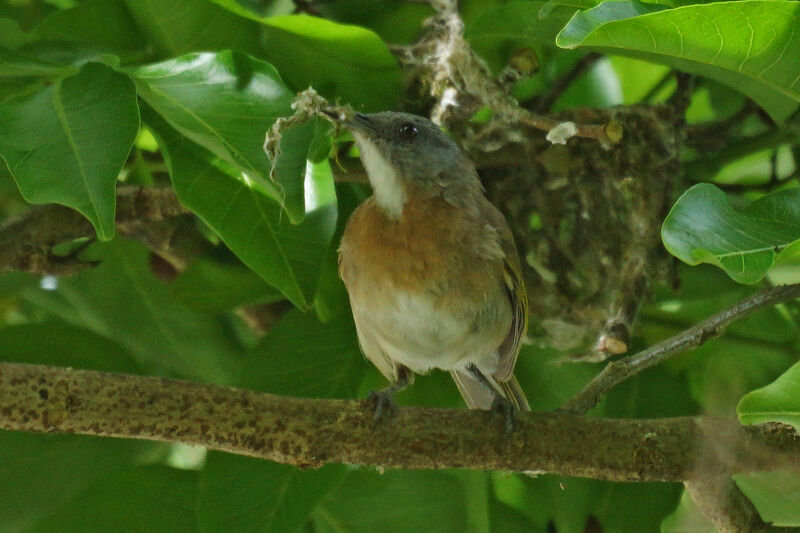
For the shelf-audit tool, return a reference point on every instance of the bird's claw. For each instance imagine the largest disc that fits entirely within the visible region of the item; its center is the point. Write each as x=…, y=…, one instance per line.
x=507, y=410
x=383, y=405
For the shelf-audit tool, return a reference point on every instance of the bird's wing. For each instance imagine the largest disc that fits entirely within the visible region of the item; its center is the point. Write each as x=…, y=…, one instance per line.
x=371, y=348
x=515, y=288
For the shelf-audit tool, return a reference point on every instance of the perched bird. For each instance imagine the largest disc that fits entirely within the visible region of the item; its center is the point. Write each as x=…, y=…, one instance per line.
x=430, y=265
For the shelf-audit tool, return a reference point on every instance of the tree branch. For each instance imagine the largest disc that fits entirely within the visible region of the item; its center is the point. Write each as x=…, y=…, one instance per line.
x=725, y=505
x=618, y=371
x=26, y=241
x=309, y=433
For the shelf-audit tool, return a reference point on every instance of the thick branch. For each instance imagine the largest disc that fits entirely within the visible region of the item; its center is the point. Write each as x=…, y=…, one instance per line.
x=308, y=432
x=26, y=241
x=618, y=371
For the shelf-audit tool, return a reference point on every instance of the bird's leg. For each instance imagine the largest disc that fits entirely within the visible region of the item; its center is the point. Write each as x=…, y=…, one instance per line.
x=384, y=404
x=500, y=404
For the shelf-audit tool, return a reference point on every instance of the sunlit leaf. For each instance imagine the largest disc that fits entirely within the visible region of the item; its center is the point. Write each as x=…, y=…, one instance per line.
x=777, y=402
x=752, y=45
x=775, y=495
x=288, y=257
x=62, y=146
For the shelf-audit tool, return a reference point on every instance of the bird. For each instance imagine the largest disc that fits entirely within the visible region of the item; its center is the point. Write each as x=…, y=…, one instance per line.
x=430, y=265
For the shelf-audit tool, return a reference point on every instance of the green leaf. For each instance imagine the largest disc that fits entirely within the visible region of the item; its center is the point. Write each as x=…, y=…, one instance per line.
x=395, y=22
x=180, y=26
x=288, y=257
x=749, y=45
x=14, y=63
x=777, y=402
x=42, y=473
x=67, y=143
x=58, y=343
x=211, y=287
x=775, y=495
x=142, y=498
x=105, y=24
x=226, y=102
x=702, y=227
x=122, y=300
x=521, y=20
x=298, y=145
x=338, y=60
x=12, y=36
x=396, y=501
x=246, y=494
x=302, y=357
x=687, y=518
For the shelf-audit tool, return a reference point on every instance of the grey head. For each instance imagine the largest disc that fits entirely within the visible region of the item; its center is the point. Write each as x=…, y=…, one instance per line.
x=402, y=151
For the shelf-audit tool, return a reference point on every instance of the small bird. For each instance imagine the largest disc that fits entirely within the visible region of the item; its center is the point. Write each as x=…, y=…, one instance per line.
x=431, y=266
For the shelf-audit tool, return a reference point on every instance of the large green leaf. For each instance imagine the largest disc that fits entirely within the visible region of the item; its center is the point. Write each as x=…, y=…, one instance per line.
x=702, y=227
x=211, y=287
x=58, y=343
x=67, y=143
x=39, y=474
x=777, y=402
x=288, y=257
x=246, y=494
x=142, y=498
x=105, y=24
x=122, y=300
x=776, y=495
x=338, y=60
x=303, y=357
x=521, y=20
x=226, y=102
x=397, y=501
x=14, y=63
x=752, y=45
x=181, y=26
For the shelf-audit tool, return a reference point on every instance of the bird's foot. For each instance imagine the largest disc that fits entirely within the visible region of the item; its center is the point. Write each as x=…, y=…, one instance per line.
x=383, y=405
x=505, y=408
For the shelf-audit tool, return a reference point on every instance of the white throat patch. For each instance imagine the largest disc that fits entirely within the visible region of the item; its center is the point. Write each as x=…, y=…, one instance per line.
x=386, y=185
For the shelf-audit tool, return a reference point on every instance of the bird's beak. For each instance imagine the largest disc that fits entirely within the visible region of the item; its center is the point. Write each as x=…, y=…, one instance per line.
x=356, y=122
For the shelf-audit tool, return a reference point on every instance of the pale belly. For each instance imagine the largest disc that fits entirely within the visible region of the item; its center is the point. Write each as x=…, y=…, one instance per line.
x=422, y=331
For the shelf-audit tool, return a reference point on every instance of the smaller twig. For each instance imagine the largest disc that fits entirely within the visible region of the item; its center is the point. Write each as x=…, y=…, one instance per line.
x=26, y=241
x=618, y=371
x=682, y=96
x=609, y=133
x=725, y=505
x=558, y=87
x=704, y=168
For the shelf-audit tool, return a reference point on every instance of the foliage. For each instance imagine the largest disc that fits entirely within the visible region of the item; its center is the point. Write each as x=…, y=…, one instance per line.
x=101, y=93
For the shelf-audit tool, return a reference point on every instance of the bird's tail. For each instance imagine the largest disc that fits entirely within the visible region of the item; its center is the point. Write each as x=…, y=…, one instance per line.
x=479, y=392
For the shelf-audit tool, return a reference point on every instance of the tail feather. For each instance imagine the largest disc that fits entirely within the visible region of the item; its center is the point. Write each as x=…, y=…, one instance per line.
x=478, y=395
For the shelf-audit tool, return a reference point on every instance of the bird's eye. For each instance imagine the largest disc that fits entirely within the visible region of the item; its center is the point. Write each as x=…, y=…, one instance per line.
x=408, y=131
